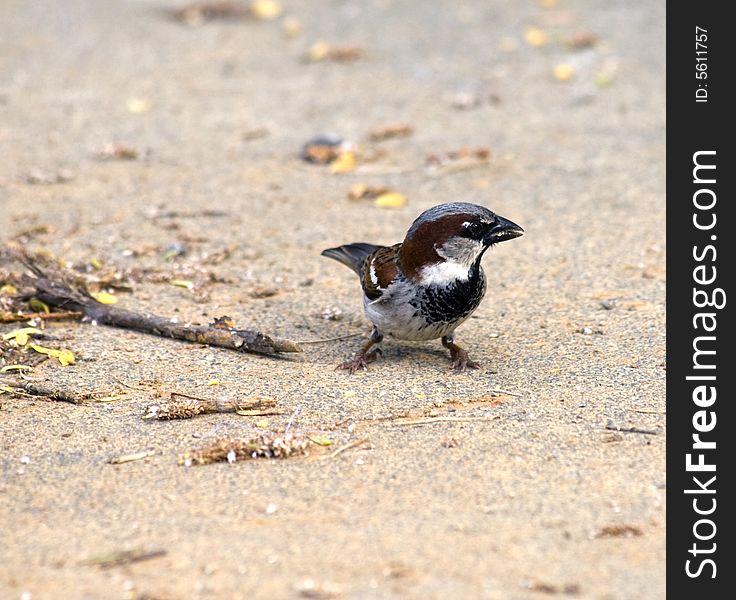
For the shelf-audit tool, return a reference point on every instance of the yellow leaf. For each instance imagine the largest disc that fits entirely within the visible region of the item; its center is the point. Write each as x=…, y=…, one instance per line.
x=535, y=37
x=182, y=283
x=39, y=305
x=8, y=368
x=320, y=440
x=43, y=350
x=318, y=51
x=96, y=263
x=262, y=424
x=213, y=382
x=266, y=10
x=66, y=357
x=24, y=331
x=8, y=290
x=390, y=200
x=138, y=105
x=105, y=298
x=564, y=72
x=344, y=163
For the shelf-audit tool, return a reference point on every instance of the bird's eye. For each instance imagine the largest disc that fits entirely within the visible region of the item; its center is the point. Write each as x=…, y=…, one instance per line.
x=474, y=229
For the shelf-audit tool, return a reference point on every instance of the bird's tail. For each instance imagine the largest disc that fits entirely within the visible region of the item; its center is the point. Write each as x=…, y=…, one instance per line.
x=351, y=255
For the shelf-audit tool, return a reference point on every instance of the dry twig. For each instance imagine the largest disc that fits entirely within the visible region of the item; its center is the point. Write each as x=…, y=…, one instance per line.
x=57, y=291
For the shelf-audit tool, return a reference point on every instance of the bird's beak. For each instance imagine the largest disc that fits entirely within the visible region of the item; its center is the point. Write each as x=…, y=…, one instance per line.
x=503, y=230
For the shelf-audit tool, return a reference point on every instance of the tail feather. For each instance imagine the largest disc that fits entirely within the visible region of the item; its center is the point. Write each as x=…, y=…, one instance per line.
x=351, y=255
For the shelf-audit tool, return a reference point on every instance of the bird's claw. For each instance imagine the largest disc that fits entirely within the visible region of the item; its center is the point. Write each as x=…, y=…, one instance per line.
x=461, y=360
x=360, y=362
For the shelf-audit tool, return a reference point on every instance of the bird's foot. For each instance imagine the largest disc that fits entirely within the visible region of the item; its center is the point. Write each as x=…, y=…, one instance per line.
x=360, y=362
x=458, y=356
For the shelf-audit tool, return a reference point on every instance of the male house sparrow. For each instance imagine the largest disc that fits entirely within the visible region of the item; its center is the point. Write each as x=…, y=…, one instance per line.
x=424, y=287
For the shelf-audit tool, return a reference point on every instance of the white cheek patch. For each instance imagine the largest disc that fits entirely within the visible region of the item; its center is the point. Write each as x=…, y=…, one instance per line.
x=444, y=272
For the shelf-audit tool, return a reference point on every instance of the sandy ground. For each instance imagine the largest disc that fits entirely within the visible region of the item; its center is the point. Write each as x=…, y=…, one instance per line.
x=528, y=493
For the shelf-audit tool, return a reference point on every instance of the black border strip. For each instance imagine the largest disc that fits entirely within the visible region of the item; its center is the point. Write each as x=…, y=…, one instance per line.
x=701, y=117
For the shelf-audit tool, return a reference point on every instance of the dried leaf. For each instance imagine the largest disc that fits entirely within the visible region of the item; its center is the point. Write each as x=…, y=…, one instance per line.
x=580, y=40
x=8, y=290
x=321, y=50
x=390, y=131
x=9, y=368
x=182, y=283
x=344, y=163
x=39, y=305
x=113, y=151
x=104, y=297
x=360, y=191
x=66, y=357
x=564, y=72
x=535, y=37
x=266, y=10
x=390, y=200
x=320, y=440
x=24, y=332
x=322, y=149
x=138, y=105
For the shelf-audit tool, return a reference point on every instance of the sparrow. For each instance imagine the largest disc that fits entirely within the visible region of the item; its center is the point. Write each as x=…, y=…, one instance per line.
x=426, y=286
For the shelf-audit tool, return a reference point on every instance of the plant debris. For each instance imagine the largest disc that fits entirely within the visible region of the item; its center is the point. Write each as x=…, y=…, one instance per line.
x=580, y=40
x=458, y=160
x=182, y=406
x=34, y=389
x=321, y=50
x=364, y=191
x=197, y=13
x=38, y=176
x=611, y=426
x=390, y=200
x=323, y=149
x=126, y=458
x=570, y=589
x=122, y=557
x=623, y=530
x=395, y=130
x=111, y=151
x=61, y=289
x=233, y=449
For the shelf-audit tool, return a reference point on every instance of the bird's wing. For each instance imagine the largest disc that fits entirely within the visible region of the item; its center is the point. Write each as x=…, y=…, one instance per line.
x=352, y=255
x=379, y=270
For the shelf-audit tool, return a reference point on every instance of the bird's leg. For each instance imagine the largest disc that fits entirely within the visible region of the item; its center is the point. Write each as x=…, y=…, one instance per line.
x=459, y=357
x=365, y=355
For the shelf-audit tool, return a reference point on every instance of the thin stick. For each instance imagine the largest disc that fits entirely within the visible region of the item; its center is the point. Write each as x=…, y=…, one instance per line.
x=119, y=460
x=428, y=420
x=52, y=316
x=123, y=557
x=347, y=446
x=35, y=390
x=332, y=339
x=60, y=294
x=632, y=430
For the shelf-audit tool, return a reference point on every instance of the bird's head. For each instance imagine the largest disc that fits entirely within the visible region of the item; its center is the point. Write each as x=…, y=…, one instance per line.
x=447, y=241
